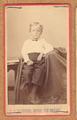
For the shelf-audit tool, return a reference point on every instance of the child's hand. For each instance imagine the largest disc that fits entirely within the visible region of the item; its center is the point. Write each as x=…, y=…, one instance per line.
x=39, y=57
x=30, y=62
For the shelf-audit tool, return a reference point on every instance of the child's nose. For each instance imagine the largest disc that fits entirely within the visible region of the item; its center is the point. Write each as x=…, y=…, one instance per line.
x=37, y=31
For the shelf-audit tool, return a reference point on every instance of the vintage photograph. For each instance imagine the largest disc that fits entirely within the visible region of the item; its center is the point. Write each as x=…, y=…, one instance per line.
x=37, y=59
x=76, y=60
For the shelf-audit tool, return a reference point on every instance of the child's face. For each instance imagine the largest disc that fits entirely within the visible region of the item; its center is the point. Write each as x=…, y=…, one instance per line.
x=35, y=32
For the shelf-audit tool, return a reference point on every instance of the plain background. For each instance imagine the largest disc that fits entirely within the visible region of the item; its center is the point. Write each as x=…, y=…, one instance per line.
x=53, y=18
x=76, y=59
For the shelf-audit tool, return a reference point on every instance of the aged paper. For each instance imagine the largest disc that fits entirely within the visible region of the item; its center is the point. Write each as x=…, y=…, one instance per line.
x=76, y=59
x=16, y=34
x=56, y=32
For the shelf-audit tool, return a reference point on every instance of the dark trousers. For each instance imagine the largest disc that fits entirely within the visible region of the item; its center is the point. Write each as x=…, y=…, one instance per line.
x=34, y=74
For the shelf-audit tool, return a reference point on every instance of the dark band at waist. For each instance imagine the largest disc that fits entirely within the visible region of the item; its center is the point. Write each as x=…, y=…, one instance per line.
x=33, y=56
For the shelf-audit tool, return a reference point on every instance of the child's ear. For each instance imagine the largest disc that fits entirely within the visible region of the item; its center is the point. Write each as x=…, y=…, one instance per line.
x=41, y=28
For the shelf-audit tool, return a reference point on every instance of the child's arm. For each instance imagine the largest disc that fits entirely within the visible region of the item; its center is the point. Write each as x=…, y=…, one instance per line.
x=47, y=47
x=27, y=60
x=40, y=56
x=24, y=53
x=30, y=62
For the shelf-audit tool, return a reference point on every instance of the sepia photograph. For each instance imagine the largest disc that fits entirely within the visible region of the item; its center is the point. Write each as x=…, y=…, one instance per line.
x=76, y=60
x=37, y=50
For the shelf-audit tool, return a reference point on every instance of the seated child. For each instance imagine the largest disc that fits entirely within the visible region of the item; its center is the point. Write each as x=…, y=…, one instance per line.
x=33, y=52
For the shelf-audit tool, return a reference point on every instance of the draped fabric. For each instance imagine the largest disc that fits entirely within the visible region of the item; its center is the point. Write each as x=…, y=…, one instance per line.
x=54, y=88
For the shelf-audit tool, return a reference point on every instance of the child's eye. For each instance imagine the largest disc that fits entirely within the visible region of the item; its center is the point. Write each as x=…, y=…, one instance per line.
x=36, y=30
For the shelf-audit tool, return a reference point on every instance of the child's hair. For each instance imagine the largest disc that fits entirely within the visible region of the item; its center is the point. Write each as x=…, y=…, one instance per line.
x=36, y=24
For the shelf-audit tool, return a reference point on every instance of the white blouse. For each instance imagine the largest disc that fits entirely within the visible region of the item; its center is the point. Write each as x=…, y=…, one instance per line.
x=32, y=46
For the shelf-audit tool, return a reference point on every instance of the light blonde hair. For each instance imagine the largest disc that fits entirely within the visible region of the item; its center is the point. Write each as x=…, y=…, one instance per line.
x=35, y=24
